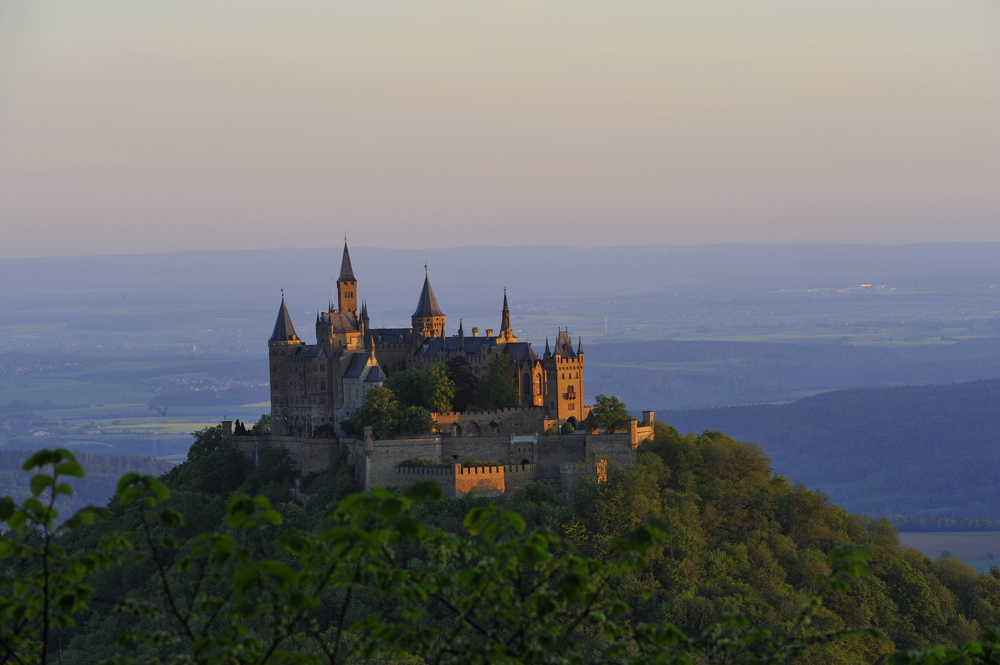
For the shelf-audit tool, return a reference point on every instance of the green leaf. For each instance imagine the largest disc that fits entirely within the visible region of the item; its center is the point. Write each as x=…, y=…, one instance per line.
x=39, y=482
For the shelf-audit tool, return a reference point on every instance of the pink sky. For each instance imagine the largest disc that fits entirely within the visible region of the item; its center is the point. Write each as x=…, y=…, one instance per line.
x=136, y=127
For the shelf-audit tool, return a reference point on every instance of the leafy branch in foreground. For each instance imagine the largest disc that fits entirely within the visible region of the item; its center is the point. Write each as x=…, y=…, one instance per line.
x=373, y=582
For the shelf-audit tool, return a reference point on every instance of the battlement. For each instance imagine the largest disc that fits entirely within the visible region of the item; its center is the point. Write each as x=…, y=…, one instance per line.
x=456, y=480
x=491, y=412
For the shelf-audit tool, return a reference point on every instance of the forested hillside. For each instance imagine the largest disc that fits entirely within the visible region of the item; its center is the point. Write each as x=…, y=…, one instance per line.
x=96, y=488
x=914, y=450
x=738, y=540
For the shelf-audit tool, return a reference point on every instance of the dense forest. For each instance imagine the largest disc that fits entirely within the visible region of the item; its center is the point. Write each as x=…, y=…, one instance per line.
x=912, y=451
x=736, y=539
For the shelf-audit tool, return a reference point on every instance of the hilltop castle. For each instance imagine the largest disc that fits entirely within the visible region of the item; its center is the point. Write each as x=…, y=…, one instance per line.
x=321, y=385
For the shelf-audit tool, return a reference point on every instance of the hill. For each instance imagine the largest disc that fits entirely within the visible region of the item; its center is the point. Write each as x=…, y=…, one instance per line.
x=690, y=374
x=913, y=450
x=103, y=472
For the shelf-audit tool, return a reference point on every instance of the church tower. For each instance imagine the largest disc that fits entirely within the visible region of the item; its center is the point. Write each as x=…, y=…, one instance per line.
x=428, y=319
x=347, y=286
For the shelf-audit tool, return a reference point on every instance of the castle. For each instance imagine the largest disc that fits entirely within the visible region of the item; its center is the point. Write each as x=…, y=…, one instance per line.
x=322, y=384
x=315, y=387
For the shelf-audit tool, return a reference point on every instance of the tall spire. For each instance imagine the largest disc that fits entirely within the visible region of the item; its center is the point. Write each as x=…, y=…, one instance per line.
x=579, y=345
x=506, y=334
x=346, y=271
x=548, y=351
x=283, y=331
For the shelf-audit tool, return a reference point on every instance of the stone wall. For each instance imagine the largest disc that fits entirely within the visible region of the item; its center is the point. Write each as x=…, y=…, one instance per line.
x=456, y=480
x=499, y=422
x=308, y=455
x=556, y=450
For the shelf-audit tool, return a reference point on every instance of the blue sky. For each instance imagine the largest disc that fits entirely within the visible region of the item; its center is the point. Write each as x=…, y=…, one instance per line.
x=146, y=127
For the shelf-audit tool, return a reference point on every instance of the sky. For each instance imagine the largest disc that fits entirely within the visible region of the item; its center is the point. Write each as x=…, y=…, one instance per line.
x=152, y=127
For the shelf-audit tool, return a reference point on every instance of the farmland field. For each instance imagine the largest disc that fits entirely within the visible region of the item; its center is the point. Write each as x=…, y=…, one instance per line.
x=976, y=548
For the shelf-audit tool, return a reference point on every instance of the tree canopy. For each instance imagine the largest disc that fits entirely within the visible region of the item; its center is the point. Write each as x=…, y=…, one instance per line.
x=610, y=414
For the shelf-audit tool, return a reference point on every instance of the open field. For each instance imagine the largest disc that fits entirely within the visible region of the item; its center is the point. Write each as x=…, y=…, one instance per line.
x=980, y=549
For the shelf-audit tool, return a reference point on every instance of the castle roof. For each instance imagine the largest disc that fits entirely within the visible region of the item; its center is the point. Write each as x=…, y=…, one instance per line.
x=564, y=345
x=356, y=367
x=375, y=375
x=520, y=352
x=428, y=304
x=342, y=322
x=390, y=335
x=283, y=331
x=346, y=271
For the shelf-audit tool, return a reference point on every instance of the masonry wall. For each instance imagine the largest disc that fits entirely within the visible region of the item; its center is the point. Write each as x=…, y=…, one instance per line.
x=482, y=448
x=554, y=451
x=617, y=448
x=377, y=467
x=479, y=480
x=308, y=455
x=518, y=419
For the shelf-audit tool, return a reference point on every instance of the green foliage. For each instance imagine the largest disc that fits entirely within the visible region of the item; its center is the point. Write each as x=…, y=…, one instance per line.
x=695, y=554
x=382, y=412
x=610, y=414
x=460, y=372
x=413, y=420
x=470, y=462
x=494, y=392
x=379, y=411
x=431, y=388
x=552, y=431
x=263, y=425
x=567, y=428
x=213, y=465
x=503, y=366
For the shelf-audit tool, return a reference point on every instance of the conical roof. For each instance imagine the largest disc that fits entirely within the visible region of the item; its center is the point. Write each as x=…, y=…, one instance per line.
x=428, y=304
x=346, y=271
x=284, y=331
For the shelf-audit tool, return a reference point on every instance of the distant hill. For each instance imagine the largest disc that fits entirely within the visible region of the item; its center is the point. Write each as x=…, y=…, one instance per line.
x=690, y=374
x=103, y=472
x=914, y=450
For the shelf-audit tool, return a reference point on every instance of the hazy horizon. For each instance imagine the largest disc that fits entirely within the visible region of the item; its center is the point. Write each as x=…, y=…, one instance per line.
x=131, y=128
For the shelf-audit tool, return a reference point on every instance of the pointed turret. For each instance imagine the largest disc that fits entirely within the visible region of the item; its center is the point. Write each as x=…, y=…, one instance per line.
x=284, y=331
x=461, y=335
x=548, y=351
x=428, y=319
x=579, y=346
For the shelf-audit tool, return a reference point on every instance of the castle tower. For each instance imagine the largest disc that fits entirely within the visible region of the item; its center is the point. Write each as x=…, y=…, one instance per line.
x=347, y=286
x=506, y=334
x=428, y=319
x=564, y=386
x=283, y=344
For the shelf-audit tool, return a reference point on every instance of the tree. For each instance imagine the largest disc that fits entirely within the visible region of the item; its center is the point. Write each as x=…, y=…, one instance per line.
x=567, y=428
x=414, y=420
x=503, y=366
x=263, y=425
x=409, y=386
x=465, y=382
x=379, y=411
x=430, y=388
x=493, y=392
x=466, y=602
x=610, y=414
x=439, y=389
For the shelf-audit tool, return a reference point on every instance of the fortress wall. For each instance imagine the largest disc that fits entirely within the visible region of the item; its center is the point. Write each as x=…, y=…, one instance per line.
x=382, y=461
x=554, y=451
x=616, y=448
x=308, y=455
x=484, y=449
x=519, y=419
x=443, y=476
x=517, y=476
x=479, y=480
